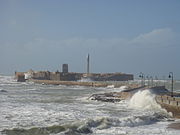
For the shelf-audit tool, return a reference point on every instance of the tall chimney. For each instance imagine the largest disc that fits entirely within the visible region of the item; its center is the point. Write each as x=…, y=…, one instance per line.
x=88, y=64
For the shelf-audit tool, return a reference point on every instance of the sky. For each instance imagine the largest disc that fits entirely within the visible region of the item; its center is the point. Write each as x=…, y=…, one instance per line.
x=129, y=36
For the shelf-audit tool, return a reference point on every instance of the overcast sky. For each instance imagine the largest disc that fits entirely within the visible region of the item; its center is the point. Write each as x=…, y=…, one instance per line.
x=129, y=36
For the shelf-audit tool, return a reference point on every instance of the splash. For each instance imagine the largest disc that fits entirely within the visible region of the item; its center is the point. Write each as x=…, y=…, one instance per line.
x=145, y=100
x=123, y=88
x=110, y=86
x=85, y=79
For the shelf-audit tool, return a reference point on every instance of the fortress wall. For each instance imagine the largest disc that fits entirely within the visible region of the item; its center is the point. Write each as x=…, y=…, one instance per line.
x=71, y=76
x=55, y=76
x=112, y=77
x=20, y=76
x=41, y=75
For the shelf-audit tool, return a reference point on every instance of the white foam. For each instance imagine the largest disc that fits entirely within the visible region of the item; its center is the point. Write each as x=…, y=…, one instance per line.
x=85, y=80
x=27, y=75
x=145, y=100
x=110, y=86
x=123, y=88
x=7, y=79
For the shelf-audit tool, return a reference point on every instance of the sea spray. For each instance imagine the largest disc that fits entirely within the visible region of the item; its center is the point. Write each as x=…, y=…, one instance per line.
x=123, y=87
x=85, y=80
x=110, y=86
x=145, y=100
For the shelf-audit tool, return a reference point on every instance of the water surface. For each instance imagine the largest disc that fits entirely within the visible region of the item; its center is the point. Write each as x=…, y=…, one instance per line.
x=35, y=109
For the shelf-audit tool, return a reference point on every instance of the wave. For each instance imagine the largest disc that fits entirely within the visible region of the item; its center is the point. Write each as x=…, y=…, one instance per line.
x=87, y=126
x=110, y=86
x=145, y=100
x=85, y=80
x=7, y=79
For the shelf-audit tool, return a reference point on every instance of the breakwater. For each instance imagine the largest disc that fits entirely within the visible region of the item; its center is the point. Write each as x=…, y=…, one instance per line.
x=171, y=104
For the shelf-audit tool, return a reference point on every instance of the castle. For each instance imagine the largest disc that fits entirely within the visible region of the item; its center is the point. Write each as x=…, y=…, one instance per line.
x=65, y=75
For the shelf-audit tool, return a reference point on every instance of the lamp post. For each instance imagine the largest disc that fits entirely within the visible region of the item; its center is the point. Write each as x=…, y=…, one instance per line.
x=151, y=81
x=142, y=78
x=156, y=78
x=164, y=78
x=171, y=76
x=148, y=80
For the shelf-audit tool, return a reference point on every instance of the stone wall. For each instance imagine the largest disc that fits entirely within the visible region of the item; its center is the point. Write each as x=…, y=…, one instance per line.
x=20, y=77
x=55, y=76
x=173, y=101
x=171, y=104
x=41, y=75
x=111, y=77
x=70, y=76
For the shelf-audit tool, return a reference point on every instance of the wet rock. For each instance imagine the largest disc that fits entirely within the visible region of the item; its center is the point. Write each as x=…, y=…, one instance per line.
x=106, y=97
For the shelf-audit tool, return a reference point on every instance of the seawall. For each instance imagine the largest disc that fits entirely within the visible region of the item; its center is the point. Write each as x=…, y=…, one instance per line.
x=171, y=104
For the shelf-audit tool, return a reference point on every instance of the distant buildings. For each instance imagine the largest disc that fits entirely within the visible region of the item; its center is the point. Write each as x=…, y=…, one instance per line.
x=71, y=76
x=65, y=75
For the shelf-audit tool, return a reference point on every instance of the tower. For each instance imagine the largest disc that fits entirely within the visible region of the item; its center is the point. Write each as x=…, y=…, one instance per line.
x=88, y=64
x=65, y=68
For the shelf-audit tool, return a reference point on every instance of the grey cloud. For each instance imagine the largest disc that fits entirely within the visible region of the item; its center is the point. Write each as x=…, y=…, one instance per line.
x=155, y=38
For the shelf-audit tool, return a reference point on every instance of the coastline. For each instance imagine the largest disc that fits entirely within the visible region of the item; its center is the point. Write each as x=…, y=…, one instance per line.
x=118, y=96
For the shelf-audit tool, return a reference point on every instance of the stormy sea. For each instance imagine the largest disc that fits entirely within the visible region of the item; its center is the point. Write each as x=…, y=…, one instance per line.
x=36, y=109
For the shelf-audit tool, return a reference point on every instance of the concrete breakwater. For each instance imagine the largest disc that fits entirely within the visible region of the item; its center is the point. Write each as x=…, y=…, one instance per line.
x=115, y=96
x=165, y=99
x=171, y=104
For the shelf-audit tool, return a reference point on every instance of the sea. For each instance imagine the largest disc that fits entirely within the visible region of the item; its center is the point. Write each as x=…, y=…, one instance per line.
x=27, y=108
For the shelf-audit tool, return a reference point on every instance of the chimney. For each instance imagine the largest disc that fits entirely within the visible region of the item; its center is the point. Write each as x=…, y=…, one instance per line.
x=88, y=64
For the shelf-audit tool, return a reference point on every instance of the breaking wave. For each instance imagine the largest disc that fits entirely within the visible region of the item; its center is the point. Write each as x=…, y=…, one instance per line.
x=110, y=86
x=145, y=100
x=88, y=126
x=85, y=80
